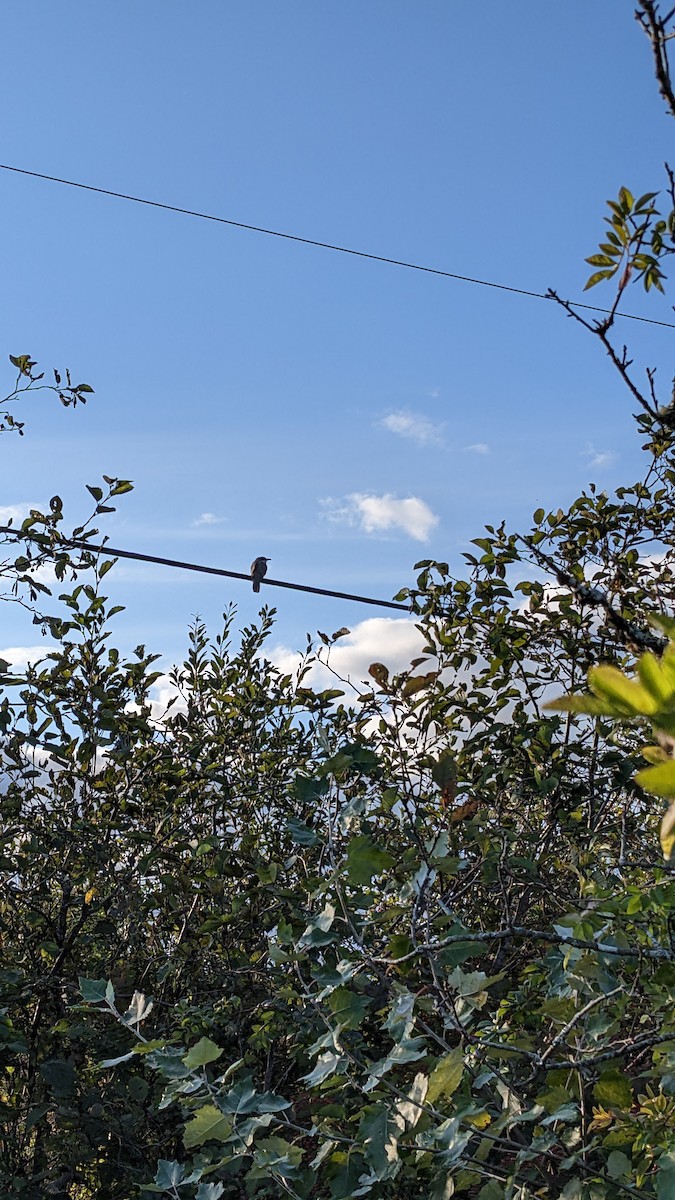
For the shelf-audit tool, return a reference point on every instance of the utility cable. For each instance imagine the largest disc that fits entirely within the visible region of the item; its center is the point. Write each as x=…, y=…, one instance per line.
x=67, y=543
x=294, y=237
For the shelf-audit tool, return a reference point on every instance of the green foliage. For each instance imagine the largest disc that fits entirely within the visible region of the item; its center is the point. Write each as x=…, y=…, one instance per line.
x=650, y=696
x=633, y=225
x=411, y=945
x=27, y=381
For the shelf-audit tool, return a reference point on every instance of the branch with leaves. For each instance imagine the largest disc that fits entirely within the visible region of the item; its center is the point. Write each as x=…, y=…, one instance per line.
x=28, y=381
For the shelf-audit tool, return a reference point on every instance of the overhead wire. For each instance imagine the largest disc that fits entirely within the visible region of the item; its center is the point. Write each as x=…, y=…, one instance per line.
x=113, y=552
x=305, y=241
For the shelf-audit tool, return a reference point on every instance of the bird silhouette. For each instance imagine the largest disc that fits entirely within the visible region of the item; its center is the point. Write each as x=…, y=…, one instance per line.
x=258, y=571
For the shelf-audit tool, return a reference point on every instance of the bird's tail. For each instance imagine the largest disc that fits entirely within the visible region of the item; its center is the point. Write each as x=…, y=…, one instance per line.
x=256, y=586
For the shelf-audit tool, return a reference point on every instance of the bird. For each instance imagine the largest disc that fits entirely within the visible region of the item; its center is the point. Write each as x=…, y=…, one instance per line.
x=258, y=571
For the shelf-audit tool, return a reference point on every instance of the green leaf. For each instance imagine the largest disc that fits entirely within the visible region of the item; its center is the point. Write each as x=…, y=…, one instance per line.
x=344, y=1174
x=242, y=1098
x=410, y=1110
x=659, y=780
x=169, y=1174
x=665, y=1180
x=613, y=1090
x=554, y=1097
x=365, y=859
x=327, y=1065
x=578, y=704
x=269, y=1102
x=444, y=771
x=597, y=278
x=407, y=1050
x=655, y=680
x=301, y=834
x=318, y=932
x=308, y=789
x=94, y=991
x=115, y=1062
x=376, y=1132
x=208, y=1124
x=627, y=697
x=210, y=1191
x=59, y=1076
x=618, y=1165
x=275, y=1156
x=325, y=1150
x=491, y=1191
x=573, y=1190
x=446, y=1075
x=204, y=1051
x=138, y=1009
x=347, y=1007
x=35, y=1116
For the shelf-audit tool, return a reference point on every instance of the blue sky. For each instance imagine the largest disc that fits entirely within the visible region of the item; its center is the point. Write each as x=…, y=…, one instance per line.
x=295, y=395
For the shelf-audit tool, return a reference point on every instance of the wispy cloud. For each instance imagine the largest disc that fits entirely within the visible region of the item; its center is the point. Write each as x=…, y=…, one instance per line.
x=15, y=512
x=409, y=425
x=478, y=448
x=598, y=458
x=377, y=514
x=209, y=518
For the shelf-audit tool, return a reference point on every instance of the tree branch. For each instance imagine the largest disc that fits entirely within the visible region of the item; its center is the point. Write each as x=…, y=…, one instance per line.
x=655, y=26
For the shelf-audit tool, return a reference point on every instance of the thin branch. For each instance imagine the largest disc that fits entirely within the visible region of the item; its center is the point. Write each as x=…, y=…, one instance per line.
x=621, y=362
x=522, y=931
x=560, y=1037
x=654, y=25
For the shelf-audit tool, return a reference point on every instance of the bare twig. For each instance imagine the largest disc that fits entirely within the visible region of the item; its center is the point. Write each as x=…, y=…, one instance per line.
x=656, y=28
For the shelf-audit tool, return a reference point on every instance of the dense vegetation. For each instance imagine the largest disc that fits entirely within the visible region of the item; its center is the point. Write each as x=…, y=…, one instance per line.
x=412, y=942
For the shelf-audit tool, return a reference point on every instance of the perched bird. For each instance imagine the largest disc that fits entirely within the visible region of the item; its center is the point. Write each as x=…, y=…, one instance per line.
x=258, y=571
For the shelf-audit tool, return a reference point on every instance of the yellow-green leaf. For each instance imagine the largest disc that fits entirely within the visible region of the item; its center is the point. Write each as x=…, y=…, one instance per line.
x=207, y=1124
x=660, y=780
x=627, y=697
x=667, y=833
x=579, y=704
x=446, y=1075
x=655, y=680
x=204, y=1051
x=654, y=754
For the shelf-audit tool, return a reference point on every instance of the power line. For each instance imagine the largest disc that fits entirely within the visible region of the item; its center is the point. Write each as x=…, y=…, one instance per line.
x=188, y=566
x=294, y=237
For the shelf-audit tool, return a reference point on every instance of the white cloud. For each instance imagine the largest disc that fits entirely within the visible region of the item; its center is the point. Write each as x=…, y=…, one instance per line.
x=418, y=429
x=478, y=448
x=391, y=640
x=21, y=656
x=209, y=518
x=375, y=514
x=598, y=458
x=15, y=512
